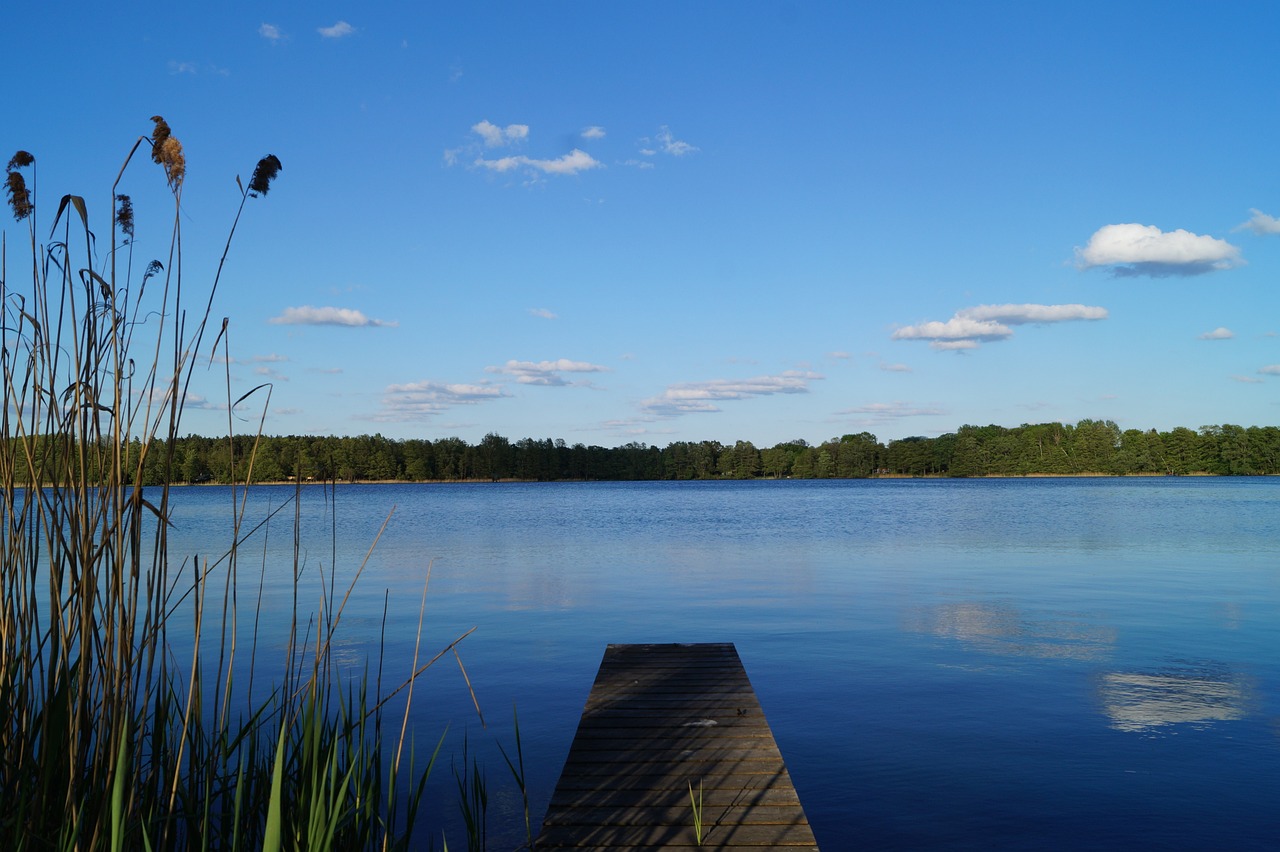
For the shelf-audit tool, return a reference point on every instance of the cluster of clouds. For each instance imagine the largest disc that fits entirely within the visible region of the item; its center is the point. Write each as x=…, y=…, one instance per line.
x=479, y=151
x=1131, y=250
x=971, y=327
x=546, y=373
x=273, y=33
x=696, y=397
x=421, y=400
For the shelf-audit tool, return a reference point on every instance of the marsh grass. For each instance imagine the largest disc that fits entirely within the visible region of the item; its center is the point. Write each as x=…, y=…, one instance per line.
x=129, y=716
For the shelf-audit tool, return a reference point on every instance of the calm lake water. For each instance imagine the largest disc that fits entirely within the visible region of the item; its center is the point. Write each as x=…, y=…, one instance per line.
x=1045, y=663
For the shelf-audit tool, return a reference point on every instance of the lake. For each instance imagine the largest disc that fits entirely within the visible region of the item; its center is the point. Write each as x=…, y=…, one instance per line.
x=946, y=664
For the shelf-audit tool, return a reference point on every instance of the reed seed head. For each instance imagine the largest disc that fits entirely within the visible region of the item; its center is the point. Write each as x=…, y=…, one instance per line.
x=265, y=172
x=16, y=185
x=161, y=133
x=167, y=151
x=124, y=214
x=174, y=161
x=19, y=197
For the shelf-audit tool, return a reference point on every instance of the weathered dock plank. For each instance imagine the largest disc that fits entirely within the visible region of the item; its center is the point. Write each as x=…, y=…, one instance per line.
x=661, y=719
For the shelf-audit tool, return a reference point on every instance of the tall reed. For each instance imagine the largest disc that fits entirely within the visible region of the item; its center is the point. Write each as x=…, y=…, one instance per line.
x=128, y=717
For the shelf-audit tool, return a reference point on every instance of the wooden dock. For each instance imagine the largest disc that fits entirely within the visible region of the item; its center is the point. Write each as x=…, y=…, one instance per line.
x=662, y=718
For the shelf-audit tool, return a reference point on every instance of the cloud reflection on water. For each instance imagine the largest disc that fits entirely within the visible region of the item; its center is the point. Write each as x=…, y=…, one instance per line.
x=1183, y=693
x=997, y=628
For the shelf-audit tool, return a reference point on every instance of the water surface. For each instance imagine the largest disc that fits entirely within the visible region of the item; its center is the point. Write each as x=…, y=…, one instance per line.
x=1042, y=663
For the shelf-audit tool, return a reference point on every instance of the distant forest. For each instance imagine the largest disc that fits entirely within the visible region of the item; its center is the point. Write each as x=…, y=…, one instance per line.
x=1088, y=447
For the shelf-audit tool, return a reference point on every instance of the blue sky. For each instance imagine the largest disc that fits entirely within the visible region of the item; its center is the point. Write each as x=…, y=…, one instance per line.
x=686, y=221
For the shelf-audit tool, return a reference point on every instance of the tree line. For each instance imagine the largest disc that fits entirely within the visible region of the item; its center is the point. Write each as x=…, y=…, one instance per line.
x=1087, y=447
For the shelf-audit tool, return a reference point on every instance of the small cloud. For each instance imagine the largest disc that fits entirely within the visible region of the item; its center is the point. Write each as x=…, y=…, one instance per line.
x=639, y=164
x=545, y=373
x=542, y=313
x=1132, y=250
x=273, y=358
x=1025, y=314
x=270, y=32
x=669, y=144
x=176, y=67
x=593, y=132
x=690, y=397
x=985, y=323
x=1260, y=223
x=339, y=30
x=1248, y=380
x=327, y=371
x=1219, y=333
x=308, y=315
x=570, y=164
x=884, y=411
x=895, y=368
x=496, y=137
x=420, y=400
x=956, y=328
x=839, y=355
x=1270, y=370
x=271, y=374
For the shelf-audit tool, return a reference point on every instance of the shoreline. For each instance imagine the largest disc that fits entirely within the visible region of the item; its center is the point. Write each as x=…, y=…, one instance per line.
x=895, y=476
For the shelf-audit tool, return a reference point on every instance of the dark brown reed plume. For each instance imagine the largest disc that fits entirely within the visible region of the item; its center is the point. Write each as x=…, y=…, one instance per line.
x=263, y=174
x=124, y=215
x=16, y=185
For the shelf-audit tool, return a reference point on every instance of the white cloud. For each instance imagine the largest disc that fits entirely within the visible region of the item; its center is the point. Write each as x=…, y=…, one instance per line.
x=1270, y=370
x=569, y=164
x=639, y=164
x=1248, y=380
x=956, y=328
x=1023, y=314
x=496, y=137
x=1260, y=223
x=1219, y=333
x=542, y=313
x=339, y=30
x=308, y=315
x=673, y=146
x=420, y=400
x=593, y=132
x=271, y=374
x=545, y=373
x=1133, y=249
x=691, y=397
x=984, y=323
x=270, y=32
x=176, y=67
x=839, y=355
x=895, y=368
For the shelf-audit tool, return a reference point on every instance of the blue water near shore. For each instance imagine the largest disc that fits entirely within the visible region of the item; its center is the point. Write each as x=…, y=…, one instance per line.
x=1041, y=663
